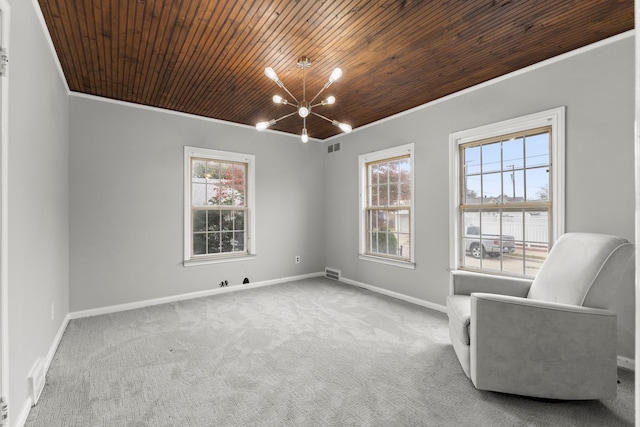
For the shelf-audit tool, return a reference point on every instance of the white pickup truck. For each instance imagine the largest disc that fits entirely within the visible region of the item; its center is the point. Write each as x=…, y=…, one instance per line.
x=487, y=244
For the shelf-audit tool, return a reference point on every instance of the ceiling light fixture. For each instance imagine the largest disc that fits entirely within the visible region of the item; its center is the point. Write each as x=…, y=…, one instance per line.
x=304, y=108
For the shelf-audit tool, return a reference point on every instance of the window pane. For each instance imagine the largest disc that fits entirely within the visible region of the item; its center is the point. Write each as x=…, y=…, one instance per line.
x=491, y=188
x=373, y=174
x=199, y=194
x=199, y=244
x=213, y=243
x=538, y=184
x=471, y=235
x=491, y=159
x=513, y=154
x=227, y=241
x=239, y=220
x=383, y=195
x=198, y=169
x=227, y=220
x=471, y=161
x=511, y=253
x=213, y=220
x=239, y=172
x=374, y=195
x=473, y=190
x=536, y=246
x=199, y=220
x=373, y=242
x=394, y=193
x=238, y=241
x=537, y=149
x=513, y=184
x=404, y=168
x=213, y=170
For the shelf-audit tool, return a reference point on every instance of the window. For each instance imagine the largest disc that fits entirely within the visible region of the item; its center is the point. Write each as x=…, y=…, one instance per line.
x=386, y=199
x=219, y=207
x=508, y=194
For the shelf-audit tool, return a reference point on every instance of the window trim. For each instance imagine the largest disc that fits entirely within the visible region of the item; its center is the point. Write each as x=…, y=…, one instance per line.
x=225, y=156
x=554, y=118
x=363, y=160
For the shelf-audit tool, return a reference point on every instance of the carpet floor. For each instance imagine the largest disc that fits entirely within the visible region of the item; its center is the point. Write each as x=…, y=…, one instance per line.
x=307, y=353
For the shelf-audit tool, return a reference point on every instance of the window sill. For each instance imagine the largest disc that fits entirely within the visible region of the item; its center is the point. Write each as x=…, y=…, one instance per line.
x=402, y=264
x=192, y=262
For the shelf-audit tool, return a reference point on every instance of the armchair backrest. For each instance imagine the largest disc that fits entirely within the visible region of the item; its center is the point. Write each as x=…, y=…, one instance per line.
x=585, y=269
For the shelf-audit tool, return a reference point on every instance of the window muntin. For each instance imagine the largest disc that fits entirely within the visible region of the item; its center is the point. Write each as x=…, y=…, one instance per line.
x=219, y=205
x=505, y=202
x=386, y=200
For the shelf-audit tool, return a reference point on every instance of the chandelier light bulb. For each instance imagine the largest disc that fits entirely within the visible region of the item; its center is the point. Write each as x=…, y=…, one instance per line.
x=271, y=74
x=303, y=111
x=304, y=137
x=335, y=75
x=277, y=99
x=264, y=125
x=345, y=127
x=330, y=100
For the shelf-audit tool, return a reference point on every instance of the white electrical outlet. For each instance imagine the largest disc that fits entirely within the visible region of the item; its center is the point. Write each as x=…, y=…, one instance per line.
x=297, y=259
x=52, y=310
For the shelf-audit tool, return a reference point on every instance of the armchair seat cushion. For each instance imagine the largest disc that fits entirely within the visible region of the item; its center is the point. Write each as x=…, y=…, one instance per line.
x=459, y=312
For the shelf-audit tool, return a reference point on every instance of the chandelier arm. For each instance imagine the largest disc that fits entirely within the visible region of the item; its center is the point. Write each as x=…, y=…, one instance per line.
x=321, y=90
x=285, y=116
x=290, y=94
x=318, y=104
x=322, y=117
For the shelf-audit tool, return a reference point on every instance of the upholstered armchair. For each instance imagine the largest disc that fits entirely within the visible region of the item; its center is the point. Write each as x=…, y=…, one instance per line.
x=551, y=337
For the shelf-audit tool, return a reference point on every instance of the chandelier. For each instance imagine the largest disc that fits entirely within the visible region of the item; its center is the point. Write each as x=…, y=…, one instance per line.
x=304, y=107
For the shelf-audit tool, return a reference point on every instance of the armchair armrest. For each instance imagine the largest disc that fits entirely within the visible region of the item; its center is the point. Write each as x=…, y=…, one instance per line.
x=540, y=348
x=466, y=282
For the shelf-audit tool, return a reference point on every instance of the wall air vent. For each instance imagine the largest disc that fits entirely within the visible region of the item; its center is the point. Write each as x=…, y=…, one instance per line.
x=331, y=148
x=332, y=274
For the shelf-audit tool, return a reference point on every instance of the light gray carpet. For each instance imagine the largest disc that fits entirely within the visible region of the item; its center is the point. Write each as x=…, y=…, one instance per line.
x=305, y=353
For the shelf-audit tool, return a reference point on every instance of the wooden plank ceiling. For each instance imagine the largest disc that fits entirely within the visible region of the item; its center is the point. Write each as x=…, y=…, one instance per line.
x=207, y=57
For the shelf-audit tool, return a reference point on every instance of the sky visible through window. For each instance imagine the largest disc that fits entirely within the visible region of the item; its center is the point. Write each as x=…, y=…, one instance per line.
x=517, y=169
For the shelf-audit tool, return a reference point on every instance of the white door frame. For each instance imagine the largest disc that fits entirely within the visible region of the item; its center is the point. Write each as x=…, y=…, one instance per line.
x=637, y=193
x=4, y=173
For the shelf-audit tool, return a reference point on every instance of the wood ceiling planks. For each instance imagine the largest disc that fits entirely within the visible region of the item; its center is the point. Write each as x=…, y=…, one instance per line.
x=207, y=57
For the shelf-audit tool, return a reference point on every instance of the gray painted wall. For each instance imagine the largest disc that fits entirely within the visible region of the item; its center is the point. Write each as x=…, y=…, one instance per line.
x=596, y=87
x=126, y=204
x=38, y=198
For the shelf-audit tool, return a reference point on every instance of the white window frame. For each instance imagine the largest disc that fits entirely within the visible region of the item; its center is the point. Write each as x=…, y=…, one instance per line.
x=554, y=118
x=191, y=152
x=363, y=160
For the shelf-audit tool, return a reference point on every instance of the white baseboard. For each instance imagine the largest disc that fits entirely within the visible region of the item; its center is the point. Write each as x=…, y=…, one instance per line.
x=183, y=297
x=413, y=300
x=24, y=413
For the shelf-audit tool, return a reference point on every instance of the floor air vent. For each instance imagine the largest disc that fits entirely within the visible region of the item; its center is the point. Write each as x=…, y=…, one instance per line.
x=36, y=380
x=332, y=274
